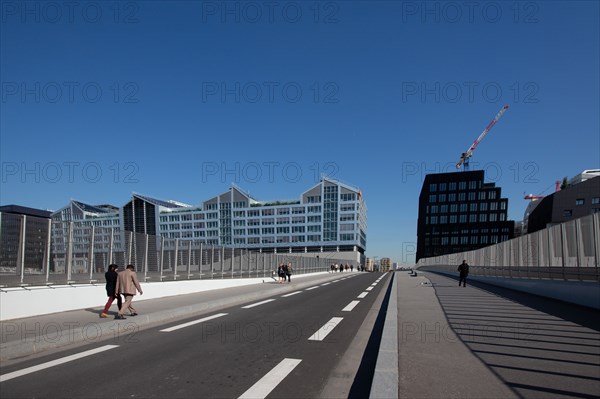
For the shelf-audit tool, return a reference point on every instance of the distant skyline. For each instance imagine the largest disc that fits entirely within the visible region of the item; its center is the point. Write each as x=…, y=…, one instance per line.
x=179, y=99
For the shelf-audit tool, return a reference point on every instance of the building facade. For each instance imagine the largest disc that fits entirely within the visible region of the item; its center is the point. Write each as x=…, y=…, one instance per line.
x=460, y=212
x=575, y=201
x=23, y=237
x=331, y=216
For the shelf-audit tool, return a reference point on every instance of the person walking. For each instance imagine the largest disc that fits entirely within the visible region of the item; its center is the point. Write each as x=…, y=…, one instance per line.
x=111, y=277
x=280, y=274
x=463, y=270
x=288, y=272
x=127, y=284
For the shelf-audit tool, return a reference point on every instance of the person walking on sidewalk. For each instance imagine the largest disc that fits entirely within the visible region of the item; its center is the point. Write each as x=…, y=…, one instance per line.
x=288, y=272
x=127, y=284
x=111, y=284
x=463, y=270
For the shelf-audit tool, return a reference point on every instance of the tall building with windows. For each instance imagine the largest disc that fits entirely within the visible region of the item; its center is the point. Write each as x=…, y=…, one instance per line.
x=460, y=212
x=331, y=216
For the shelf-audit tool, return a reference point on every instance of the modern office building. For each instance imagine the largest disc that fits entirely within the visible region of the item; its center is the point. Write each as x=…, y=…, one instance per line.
x=386, y=265
x=23, y=237
x=576, y=200
x=331, y=216
x=460, y=212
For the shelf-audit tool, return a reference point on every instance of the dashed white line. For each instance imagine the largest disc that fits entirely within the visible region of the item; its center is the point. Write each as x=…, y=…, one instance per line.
x=257, y=304
x=323, y=285
x=33, y=369
x=311, y=288
x=364, y=294
x=326, y=329
x=350, y=306
x=291, y=293
x=191, y=323
x=368, y=288
x=265, y=385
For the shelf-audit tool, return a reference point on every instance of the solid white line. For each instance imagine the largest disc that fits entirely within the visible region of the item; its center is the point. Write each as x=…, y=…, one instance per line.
x=326, y=329
x=33, y=369
x=257, y=304
x=368, y=288
x=350, y=306
x=364, y=294
x=265, y=385
x=323, y=285
x=290, y=294
x=191, y=323
x=311, y=288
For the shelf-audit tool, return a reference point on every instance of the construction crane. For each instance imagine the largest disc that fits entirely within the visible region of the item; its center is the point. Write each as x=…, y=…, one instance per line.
x=464, y=158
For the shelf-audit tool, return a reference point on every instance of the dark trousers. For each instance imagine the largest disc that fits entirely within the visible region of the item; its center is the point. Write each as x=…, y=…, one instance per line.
x=462, y=279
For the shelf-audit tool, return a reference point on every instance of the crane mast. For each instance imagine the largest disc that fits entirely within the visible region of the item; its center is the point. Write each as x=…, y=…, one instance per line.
x=464, y=158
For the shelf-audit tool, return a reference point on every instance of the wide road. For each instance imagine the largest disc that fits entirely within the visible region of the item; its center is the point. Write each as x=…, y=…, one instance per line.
x=285, y=346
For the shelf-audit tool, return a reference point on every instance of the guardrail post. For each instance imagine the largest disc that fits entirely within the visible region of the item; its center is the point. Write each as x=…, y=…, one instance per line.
x=176, y=259
x=47, y=252
x=91, y=252
x=69, y=260
x=147, y=240
x=189, y=264
x=212, y=261
x=20, y=269
x=162, y=256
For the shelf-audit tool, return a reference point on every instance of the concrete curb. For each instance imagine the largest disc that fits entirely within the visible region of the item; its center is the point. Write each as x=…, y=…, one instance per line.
x=385, y=379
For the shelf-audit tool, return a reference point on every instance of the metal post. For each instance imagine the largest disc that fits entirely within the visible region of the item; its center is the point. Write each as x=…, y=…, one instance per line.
x=47, y=253
x=212, y=261
x=162, y=256
x=21, y=255
x=69, y=251
x=201, y=260
x=147, y=240
x=129, y=247
x=91, y=253
x=232, y=258
x=176, y=258
x=111, y=239
x=189, y=265
x=222, y=261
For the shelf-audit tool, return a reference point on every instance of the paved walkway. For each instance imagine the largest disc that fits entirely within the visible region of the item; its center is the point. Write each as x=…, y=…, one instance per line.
x=488, y=342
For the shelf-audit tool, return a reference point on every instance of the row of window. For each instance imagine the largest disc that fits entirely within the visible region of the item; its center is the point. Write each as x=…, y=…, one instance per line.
x=464, y=207
x=266, y=240
x=464, y=218
x=466, y=240
x=452, y=186
x=462, y=197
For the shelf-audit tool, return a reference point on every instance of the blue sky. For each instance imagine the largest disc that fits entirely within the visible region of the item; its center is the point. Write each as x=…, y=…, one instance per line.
x=179, y=99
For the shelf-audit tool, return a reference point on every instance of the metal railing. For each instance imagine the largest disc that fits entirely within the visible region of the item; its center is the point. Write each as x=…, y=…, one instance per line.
x=567, y=251
x=37, y=251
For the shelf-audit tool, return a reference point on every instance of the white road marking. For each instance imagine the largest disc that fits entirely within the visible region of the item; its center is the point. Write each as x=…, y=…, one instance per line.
x=311, y=288
x=335, y=281
x=326, y=329
x=265, y=385
x=350, y=306
x=33, y=369
x=368, y=288
x=290, y=294
x=257, y=304
x=191, y=323
x=364, y=294
x=323, y=285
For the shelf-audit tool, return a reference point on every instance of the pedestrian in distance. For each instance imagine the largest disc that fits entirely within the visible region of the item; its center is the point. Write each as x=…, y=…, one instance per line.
x=351, y=268
x=288, y=272
x=463, y=270
x=128, y=284
x=111, y=284
x=280, y=274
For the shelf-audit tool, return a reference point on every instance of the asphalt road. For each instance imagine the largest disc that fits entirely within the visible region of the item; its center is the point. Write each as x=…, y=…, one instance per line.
x=285, y=346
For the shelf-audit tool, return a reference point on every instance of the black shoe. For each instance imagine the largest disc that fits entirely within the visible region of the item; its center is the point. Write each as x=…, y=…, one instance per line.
x=119, y=317
x=133, y=314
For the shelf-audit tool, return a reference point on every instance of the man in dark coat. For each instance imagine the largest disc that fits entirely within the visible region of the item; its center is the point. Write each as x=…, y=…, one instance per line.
x=111, y=283
x=463, y=270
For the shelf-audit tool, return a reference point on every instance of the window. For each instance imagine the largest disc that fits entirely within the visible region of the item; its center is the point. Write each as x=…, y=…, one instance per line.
x=434, y=209
x=443, y=219
x=483, y=206
x=462, y=185
x=432, y=198
x=442, y=198
x=433, y=220
x=472, y=218
x=483, y=217
x=481, y=195
x=452, y=186
x=472, y=196
x=452, y=218
x=442, y=186
x=595, y=200
x=579, y=201
x=462, y=197
x=473, y=207
x=433, y=187
x=567, y=213
x=463, y=207
x=452, y=197
x=463, y=218
x=454, y=208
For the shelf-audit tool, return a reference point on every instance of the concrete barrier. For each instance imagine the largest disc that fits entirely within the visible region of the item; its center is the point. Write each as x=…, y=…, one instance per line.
x=34, y=301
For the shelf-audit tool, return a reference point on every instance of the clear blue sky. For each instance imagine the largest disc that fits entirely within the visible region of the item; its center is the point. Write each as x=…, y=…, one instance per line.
x=178, y=99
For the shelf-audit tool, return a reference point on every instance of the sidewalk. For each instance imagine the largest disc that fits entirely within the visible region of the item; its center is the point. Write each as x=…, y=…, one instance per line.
x=432, y=361
x=33, y=335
